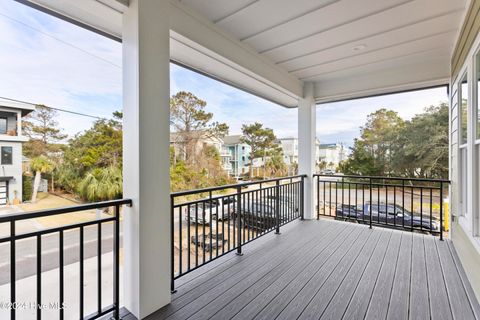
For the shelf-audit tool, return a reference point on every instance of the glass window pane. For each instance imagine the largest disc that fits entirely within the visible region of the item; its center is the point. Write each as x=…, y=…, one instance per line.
x=477, y=72
x=463, y=109
x=3, y=125
x=6, y=155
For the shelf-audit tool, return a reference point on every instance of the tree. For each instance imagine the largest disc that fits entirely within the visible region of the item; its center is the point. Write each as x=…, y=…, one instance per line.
x=191, y=123
x=423, y=144
x=262, y=142
x=97, y=147
x=275, y=165
x=43, y=132
x=40, y=165
x=88, y=153
x=102, y=184
x=391, y=146
x=372, y=153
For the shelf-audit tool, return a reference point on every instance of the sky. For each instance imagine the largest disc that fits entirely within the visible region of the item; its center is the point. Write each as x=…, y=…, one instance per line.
x=45, y=60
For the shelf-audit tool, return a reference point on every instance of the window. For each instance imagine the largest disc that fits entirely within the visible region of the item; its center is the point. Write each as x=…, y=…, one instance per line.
x=6, y=155
x=463, y=103
x=463, y=181
x=3, y=125
x=477, y=77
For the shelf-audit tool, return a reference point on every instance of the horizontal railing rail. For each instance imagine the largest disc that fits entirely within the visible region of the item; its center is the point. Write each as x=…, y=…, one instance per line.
x=228, y=217
x=37, y=236
x=413, y=204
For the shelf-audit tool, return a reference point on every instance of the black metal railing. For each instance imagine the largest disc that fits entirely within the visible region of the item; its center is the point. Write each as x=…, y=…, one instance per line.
x=209, y=223
x=403, y=203
x=15, y=219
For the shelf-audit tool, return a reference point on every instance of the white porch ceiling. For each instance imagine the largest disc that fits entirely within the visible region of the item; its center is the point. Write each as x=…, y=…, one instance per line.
x=348, y=48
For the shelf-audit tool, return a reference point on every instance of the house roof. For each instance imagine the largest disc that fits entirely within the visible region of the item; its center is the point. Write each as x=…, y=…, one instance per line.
x=26, y=108
x=234, y=139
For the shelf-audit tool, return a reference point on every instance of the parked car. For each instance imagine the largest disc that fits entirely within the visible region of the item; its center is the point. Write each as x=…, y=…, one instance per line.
x=260, y=214
x=220, y=208
x=257, y=215
x=386, y=214
x=328, y=171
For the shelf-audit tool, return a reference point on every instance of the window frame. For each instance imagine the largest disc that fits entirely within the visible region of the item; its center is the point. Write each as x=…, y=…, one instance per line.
x=2, y=153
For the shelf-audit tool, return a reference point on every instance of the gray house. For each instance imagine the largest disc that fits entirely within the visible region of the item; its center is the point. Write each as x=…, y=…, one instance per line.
x=11, y=140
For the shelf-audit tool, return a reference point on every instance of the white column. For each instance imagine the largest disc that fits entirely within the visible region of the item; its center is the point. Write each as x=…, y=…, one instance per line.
x=306, y=145
x=146, y=232
x=19, y=123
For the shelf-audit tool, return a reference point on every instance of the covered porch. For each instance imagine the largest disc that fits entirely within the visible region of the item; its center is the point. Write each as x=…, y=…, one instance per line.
x=297, y=54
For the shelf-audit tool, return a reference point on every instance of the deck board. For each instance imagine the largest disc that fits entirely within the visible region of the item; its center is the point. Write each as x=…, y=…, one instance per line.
x=401, y=284
x=329, y=270
x=380, y=299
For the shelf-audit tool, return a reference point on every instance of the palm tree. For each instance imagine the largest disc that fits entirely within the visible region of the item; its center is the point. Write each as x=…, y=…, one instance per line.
x=40, y=165
x=102, y=184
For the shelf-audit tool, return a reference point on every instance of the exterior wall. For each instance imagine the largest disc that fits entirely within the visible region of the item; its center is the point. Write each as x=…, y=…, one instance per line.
x=467, y=36
x=332, y=153
x=239, y=158
x=290, y=150
x=14, y=170
x=465, y=154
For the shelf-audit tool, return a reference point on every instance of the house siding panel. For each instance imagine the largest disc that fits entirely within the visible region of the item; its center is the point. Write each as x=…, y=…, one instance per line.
x=468, y=33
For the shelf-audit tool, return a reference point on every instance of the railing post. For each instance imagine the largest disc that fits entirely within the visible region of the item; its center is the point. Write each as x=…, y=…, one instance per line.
x=441, y=211
x=302, y=198
x=239, y=221
x=277, y=207
x=172, y=246
x=13, y=284
x=116, y=252
x=370, y=206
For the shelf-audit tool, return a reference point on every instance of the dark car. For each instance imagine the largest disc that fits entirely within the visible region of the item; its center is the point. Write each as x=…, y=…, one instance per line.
x=393, y=215
x=260, y=213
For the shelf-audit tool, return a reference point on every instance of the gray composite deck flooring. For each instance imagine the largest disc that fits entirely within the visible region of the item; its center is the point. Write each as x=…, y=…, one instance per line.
x=329, y=270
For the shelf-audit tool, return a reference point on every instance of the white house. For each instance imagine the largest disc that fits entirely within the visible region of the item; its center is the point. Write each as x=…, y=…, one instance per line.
x=290, y=150
x=11, y=140
x=332, y=154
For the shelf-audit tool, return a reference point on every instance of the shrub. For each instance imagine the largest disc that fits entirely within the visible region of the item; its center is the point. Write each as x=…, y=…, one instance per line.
x=27, y=187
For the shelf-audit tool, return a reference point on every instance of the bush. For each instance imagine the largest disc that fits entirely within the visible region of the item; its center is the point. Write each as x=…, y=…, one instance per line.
x=27, y=187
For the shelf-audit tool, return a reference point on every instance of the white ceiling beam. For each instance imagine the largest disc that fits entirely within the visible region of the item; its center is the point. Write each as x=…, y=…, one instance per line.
x=194, y=27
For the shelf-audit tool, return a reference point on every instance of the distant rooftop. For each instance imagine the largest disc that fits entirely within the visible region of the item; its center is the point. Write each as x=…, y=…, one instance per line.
x=233, y=139
x=14, y=104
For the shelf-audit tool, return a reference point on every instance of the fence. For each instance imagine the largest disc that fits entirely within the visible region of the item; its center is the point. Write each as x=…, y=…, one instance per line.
x=402, y=203
x=223, y=219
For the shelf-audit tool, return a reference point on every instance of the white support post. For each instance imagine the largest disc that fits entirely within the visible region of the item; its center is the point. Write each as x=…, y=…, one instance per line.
x=306, y=146
x=146, y=91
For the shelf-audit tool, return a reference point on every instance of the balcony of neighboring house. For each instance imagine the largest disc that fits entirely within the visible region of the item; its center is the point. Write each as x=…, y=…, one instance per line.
x=10, y=126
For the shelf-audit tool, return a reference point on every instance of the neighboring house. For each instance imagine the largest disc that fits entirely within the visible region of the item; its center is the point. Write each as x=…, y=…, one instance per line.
x=332, y=154
x=239, y=153
x=198, y=139
x=11, y=140
x=290, y=150
x=226, y=160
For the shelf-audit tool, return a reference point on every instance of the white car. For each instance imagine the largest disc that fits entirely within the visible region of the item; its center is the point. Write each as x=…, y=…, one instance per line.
x=220, y=208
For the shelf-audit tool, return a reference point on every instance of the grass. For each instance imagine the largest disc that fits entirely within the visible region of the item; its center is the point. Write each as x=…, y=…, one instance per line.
x=51, y=201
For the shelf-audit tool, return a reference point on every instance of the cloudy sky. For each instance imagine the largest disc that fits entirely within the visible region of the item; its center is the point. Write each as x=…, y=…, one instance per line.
x=49, y=61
